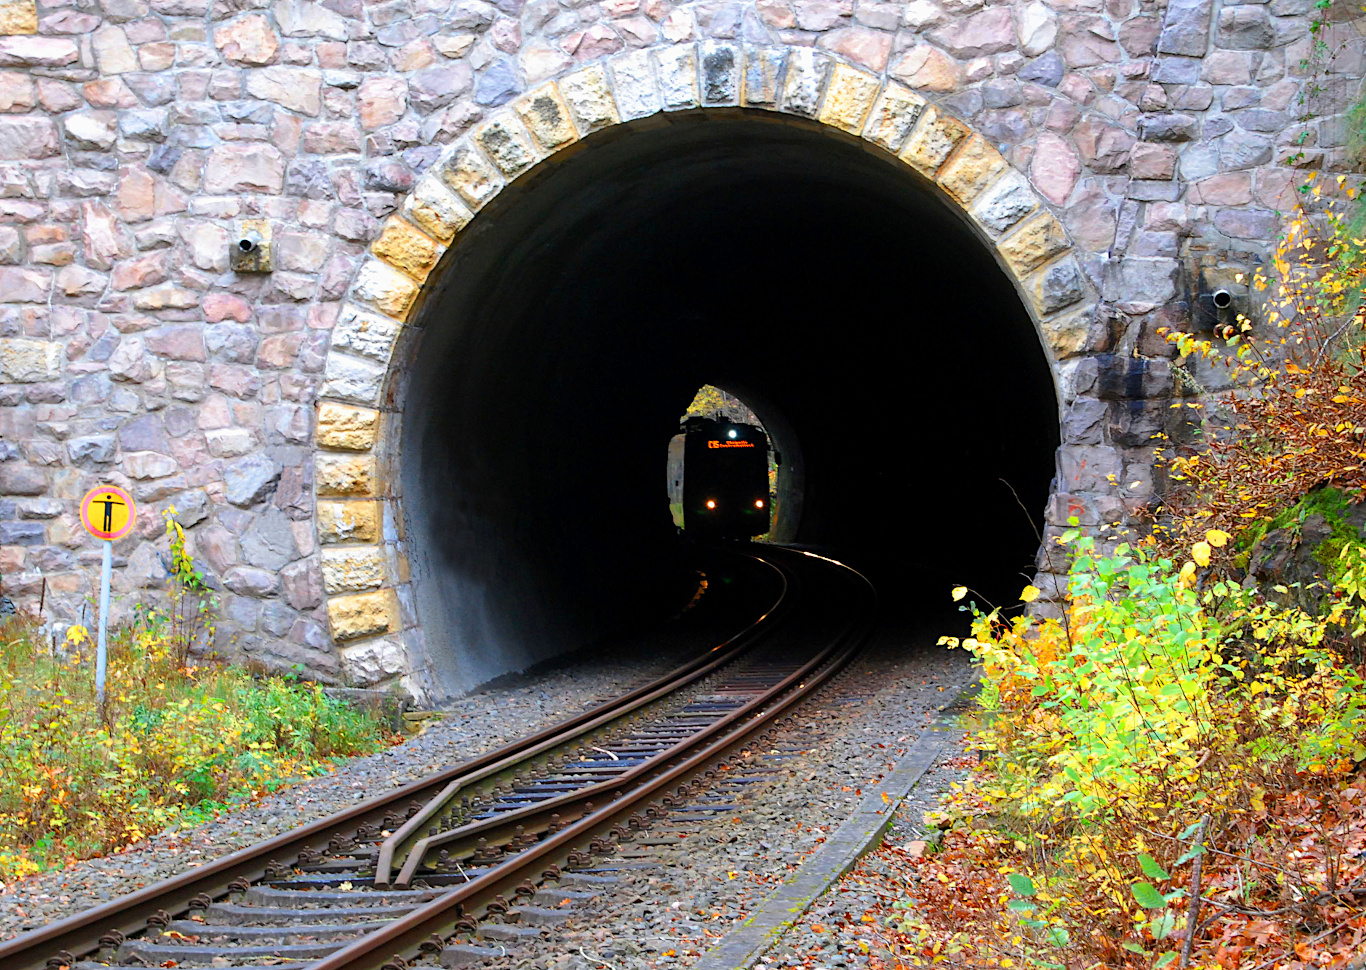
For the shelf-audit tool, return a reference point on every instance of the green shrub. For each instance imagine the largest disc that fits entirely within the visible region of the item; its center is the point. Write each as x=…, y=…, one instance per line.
x=175, y=745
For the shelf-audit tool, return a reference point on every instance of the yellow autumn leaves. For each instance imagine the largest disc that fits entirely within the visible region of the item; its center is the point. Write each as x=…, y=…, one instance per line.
x=1027, y=595
x=1201, y=553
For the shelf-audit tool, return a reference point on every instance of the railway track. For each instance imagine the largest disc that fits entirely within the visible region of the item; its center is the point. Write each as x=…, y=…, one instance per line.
x=396, y=879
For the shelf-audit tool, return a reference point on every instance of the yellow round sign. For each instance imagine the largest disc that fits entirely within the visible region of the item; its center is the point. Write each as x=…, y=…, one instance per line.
x=108, y=512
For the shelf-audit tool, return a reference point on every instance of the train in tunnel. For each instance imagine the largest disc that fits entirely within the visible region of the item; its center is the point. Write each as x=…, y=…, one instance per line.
x=718, y=479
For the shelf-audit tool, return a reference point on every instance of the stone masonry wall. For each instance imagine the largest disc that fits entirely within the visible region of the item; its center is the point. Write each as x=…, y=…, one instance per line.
x=137, y=137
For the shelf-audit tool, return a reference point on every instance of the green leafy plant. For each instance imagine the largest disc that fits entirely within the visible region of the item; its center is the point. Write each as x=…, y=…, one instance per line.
x=190, y=616
x=174, y=744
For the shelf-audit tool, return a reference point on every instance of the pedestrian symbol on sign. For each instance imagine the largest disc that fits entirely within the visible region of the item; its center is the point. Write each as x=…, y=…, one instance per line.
x=108, y=500
x=108, y=512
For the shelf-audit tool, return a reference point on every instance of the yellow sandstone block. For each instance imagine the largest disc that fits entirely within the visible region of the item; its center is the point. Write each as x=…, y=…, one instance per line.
x=473, y=179
x=933, y=140
x=349, y=475
x=1068, y=334
x=406, y=248
x=353, y=570
x=1038, y=239
x=893, y=116
x=590, y=98
x=506, y=146
x=971, y=169
x=384, y=288
x=436, y=210
x=354, y=521
x=546, y=116
x=18, y=17
x=848, y=98
x=346, y=428
x=363, y=614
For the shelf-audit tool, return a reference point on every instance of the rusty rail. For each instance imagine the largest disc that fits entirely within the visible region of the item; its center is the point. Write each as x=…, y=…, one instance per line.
x=406, y=935
x=76, y=936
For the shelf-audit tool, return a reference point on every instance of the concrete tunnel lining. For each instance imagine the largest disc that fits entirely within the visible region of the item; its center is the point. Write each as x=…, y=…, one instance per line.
x=565, y=333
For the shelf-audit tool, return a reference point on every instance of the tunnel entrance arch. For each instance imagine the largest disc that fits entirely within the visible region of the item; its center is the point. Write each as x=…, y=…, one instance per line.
x=643, y=140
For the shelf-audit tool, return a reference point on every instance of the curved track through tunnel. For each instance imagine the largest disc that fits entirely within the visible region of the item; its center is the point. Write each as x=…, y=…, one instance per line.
x=327, y=906
x=850, y=304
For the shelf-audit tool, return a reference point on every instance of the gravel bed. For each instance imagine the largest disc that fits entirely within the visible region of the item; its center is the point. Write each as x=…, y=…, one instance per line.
x=846, y=927
x=510, y=707
x=672, y=902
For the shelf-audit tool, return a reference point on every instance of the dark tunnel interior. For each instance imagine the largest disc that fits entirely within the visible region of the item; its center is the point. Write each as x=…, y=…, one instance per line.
x=871, y=330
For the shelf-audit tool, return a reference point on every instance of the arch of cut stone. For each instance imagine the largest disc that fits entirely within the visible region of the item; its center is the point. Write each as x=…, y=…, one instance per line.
x=357, y=500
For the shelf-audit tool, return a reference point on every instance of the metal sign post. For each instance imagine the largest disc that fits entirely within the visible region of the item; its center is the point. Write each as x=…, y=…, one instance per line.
x=106, y=573
x=108, y=513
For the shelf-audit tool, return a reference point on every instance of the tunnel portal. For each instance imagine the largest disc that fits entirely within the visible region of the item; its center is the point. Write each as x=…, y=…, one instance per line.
x=843, y=298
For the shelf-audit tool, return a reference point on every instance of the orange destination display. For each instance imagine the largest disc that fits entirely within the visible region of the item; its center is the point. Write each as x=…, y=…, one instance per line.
x=108, y=512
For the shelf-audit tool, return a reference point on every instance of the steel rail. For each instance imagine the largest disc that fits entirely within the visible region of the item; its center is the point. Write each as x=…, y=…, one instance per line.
x=396, y=845
x=79, y=934
x=534, y=819
x=438, y=918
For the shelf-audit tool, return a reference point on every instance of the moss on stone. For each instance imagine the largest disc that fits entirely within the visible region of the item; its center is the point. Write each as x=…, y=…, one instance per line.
x=1339, y=511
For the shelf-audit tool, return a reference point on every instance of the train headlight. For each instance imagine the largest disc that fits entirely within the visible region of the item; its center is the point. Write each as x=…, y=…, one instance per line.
x=711, y=503
x=758, y=503
x=730, y=433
